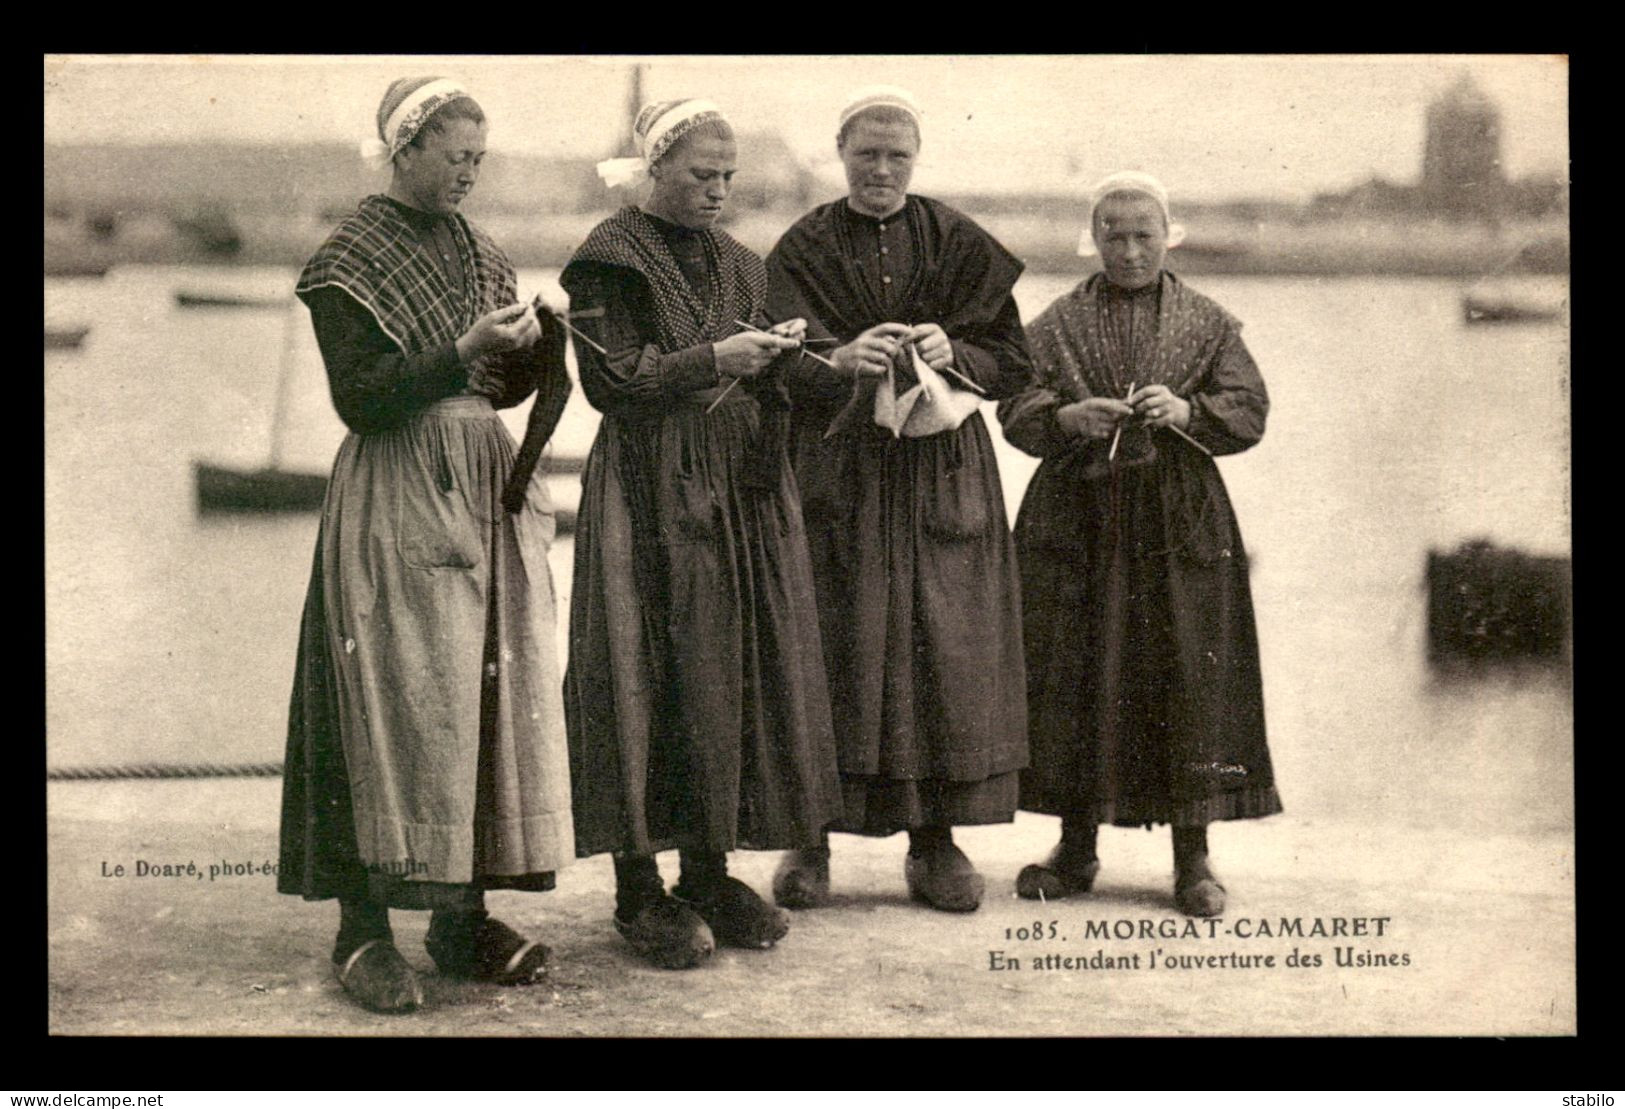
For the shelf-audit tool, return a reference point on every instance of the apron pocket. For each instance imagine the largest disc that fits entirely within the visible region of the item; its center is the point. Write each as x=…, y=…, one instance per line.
x=690, y=510
x=435, y=526
x=958, y=503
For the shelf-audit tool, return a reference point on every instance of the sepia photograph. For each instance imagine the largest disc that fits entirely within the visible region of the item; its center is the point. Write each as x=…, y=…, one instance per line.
x=1020, y=545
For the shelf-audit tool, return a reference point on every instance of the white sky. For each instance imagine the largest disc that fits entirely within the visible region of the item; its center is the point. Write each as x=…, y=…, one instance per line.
x=1209, y=126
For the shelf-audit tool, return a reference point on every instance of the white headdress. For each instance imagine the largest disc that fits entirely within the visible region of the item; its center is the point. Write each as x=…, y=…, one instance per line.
x=881, y=96
x=657, y=129
x=406, y=107
x=1127, y=181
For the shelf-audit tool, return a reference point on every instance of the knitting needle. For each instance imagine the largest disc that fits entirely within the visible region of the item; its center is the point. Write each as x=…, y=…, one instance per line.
x=1111, y=455
x=969, y=384
x=1181, y=434
x=722, y=395
x=808, y=353
x=1189, y=440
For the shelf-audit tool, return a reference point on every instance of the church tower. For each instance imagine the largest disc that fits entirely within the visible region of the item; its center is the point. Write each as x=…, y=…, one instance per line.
x=1461, y=161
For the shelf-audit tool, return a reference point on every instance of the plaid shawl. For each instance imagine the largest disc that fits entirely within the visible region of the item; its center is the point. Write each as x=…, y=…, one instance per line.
x=377, y=257
x=629, y=240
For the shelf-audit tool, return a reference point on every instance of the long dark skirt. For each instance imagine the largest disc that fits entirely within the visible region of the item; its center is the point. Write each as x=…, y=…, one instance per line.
x=1144, y=691
x=694, y=694
x=920, y=608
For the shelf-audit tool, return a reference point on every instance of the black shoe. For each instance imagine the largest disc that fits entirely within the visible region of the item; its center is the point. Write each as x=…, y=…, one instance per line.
x=1061, y=875
x=737, y=915
x=379, y=978
x=488, y=951
x=669, y=934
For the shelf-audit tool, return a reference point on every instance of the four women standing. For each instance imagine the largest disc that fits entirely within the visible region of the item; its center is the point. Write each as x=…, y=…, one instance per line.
x=711, y=630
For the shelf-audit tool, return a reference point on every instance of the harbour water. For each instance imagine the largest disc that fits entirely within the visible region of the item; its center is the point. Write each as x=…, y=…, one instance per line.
x=1395, y=428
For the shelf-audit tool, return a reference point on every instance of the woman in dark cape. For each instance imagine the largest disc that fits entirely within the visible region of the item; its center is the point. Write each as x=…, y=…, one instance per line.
x=918, y=596
x=1144, y=691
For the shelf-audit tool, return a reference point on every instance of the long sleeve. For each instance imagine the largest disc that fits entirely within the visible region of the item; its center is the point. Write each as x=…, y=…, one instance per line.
x=996, y=357
x=374, y=386
x=1029, y=422
x=809, y=379
x=1028, y=416
x=634, y=377
x=1230, y=404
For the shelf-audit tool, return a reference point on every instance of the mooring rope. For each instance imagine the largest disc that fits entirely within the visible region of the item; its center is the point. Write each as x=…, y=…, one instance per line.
x=163, y=770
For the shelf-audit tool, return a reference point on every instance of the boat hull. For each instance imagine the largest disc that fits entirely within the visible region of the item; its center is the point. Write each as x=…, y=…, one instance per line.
x=227, y=489
x=224, y=489
x=67, y=338
x=1505, y=311
x=227, y=300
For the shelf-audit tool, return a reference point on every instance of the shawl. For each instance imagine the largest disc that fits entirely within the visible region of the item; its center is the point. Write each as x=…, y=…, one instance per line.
x=1070, y=351
x=629, y=240
x=1069, y=343
x=377, y=257
x=961, y=281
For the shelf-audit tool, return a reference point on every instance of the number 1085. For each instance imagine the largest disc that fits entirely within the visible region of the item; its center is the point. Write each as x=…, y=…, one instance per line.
x=1038, y=930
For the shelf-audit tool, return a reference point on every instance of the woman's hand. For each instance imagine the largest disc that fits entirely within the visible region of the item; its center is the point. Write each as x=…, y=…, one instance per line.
x=748, y=353
x=870, y=354
x=933, y=345
x=512, y=328
x=1095, y=418
x=1157, y=406
x=791, y=329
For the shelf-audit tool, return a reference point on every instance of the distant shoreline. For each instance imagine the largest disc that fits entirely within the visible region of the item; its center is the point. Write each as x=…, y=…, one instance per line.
x=1044, y=245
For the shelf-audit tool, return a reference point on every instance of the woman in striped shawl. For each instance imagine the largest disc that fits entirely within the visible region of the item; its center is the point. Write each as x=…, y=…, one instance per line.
x=695, y=694
x=1143, y=688
x=426, y=757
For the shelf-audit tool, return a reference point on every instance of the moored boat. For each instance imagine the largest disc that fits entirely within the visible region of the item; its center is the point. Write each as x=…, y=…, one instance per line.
x=1490, y=308
x=187, y=298
x=234, y=489
x=68, y=267
x=65, y=338
x=267, y=489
